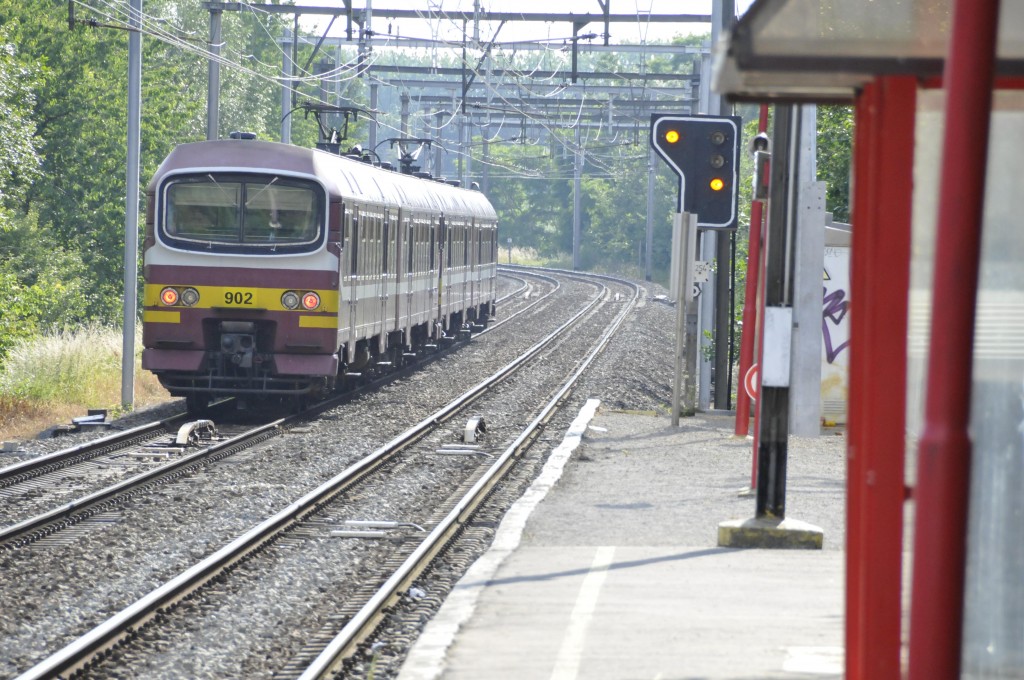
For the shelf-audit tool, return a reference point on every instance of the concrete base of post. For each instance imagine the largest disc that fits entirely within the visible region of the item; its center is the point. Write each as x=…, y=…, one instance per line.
x=757, y=532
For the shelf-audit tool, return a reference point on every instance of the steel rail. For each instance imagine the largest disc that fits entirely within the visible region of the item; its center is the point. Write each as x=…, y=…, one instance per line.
x=515, y=292
x=79, y=653
x=21, y=533
x=33, y=467
x=16, y=535
x=366, y=620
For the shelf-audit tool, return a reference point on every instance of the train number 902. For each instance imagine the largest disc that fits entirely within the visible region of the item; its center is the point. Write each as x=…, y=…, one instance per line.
x=238, y=298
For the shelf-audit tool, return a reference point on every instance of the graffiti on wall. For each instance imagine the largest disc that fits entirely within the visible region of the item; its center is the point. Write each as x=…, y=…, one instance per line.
x=834, y=310
x=835, y=334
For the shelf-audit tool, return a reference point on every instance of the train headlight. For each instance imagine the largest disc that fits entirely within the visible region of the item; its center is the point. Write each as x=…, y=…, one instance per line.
x=310, y=300
x=169, y=297
x=189, y=297
x=290, y=300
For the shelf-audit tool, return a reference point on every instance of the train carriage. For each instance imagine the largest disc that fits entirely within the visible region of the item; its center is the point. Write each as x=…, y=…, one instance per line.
x=274, y=270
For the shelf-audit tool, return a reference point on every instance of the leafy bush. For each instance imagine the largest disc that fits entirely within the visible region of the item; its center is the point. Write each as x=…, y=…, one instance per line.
x=72, y=367
x=42, y=285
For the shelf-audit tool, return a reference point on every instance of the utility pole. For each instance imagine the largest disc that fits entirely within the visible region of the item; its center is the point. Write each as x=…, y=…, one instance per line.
x=213, y=80
x=438, y=169
x=649, y=232
x=287, y=73
x=723, y=251
x=372, y=140
x=577, y=203
x=404, y=98
x=131, y=222
x=772, y=453
x=365, y=72
x=485, y=181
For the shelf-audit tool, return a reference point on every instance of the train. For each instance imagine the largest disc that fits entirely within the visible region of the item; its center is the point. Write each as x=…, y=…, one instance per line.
x=273, y=271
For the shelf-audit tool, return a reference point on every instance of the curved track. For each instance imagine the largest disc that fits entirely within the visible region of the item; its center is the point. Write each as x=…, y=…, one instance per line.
x=305, y=512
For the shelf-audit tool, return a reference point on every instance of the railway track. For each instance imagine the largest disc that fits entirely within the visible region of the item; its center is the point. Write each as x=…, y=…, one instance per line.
x=305, y=515
x=122, y=465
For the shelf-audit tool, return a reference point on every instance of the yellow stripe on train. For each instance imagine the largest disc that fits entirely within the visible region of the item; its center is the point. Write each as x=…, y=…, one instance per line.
x=149, y=316
x=240, y=297
x=318, y=321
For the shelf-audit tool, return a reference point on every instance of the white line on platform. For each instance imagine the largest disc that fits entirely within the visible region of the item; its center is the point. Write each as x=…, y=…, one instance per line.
x=567, y=664
x=426, y=659
x=815, y=660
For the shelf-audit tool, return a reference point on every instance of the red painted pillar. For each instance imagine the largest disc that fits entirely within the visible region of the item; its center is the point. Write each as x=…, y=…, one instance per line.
x=750, y=302
x=880, y=279
x=944, y=452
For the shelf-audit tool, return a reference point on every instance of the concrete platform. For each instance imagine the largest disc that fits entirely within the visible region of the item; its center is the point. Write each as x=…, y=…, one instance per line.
x=608, y=568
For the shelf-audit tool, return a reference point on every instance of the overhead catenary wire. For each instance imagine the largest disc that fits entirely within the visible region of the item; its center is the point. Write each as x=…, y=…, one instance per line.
x=524, y=79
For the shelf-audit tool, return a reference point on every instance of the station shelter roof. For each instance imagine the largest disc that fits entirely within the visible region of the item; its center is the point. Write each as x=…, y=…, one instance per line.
x=825, y=50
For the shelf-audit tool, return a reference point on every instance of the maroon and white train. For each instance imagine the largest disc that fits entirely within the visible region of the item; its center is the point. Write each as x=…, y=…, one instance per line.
x=276, y=270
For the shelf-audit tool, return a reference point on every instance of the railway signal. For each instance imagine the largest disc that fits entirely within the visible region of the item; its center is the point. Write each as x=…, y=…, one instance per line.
x=704, y=152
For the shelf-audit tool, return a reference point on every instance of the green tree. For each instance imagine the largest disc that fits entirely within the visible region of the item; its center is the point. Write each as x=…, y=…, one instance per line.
x=835, y=144
x=21, y=163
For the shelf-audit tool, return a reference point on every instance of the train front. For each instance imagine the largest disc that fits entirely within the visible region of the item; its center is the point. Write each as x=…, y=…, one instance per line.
x=241, y=285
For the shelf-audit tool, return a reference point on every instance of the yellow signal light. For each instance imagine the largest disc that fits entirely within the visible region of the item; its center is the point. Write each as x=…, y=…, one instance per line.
x=717, y=184
x=672, y=136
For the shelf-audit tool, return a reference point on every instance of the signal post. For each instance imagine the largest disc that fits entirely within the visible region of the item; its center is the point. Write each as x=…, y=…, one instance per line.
x=703, y=151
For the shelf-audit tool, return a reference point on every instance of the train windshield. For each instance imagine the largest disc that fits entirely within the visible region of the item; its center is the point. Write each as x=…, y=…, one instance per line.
x=239, y=213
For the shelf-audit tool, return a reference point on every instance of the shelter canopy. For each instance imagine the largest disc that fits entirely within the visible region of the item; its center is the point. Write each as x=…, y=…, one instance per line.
x=824, y=50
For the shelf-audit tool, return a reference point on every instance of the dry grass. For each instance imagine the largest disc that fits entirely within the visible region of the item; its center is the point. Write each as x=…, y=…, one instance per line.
x=49, y=380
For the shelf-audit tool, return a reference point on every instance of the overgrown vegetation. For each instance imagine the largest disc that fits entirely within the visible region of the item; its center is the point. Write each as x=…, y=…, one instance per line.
x=56, y=376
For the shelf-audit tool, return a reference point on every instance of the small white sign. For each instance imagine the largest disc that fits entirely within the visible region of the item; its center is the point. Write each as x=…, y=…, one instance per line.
x=778, y=344
x=701, y=271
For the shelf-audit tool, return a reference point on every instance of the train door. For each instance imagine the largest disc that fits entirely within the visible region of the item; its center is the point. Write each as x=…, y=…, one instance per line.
x=470, y=264
x=471, y=268
x=451, y=273
x=463, y=288
x=398, y=231
x=376, y=302
x=455, y=287
x=438, y=247
x=387, y=273
x=352, y=280
x=404, y=305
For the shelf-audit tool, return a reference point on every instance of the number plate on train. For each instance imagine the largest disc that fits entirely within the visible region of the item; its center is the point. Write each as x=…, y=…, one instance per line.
x=239, y=297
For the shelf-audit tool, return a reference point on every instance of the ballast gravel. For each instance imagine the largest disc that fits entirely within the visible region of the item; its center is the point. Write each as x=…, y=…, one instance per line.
x=54, y=593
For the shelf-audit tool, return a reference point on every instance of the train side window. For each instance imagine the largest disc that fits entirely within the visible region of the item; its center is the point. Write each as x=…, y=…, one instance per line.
x=433, y=240
x=409, y=248
x=422, y=243
x=378, y=246
x=368, y=263
x=354, y=245
x=458, y=239
x=449, y=247
x=368, y=252
x=375, y=246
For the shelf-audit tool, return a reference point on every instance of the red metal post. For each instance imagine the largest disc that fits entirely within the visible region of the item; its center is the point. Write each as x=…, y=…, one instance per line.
x=750, y=300
x=759, y=346
x=880, y=278
x=944, y=452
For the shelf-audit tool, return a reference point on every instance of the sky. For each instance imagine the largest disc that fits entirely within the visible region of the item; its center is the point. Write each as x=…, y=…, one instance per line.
x=436, y=27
